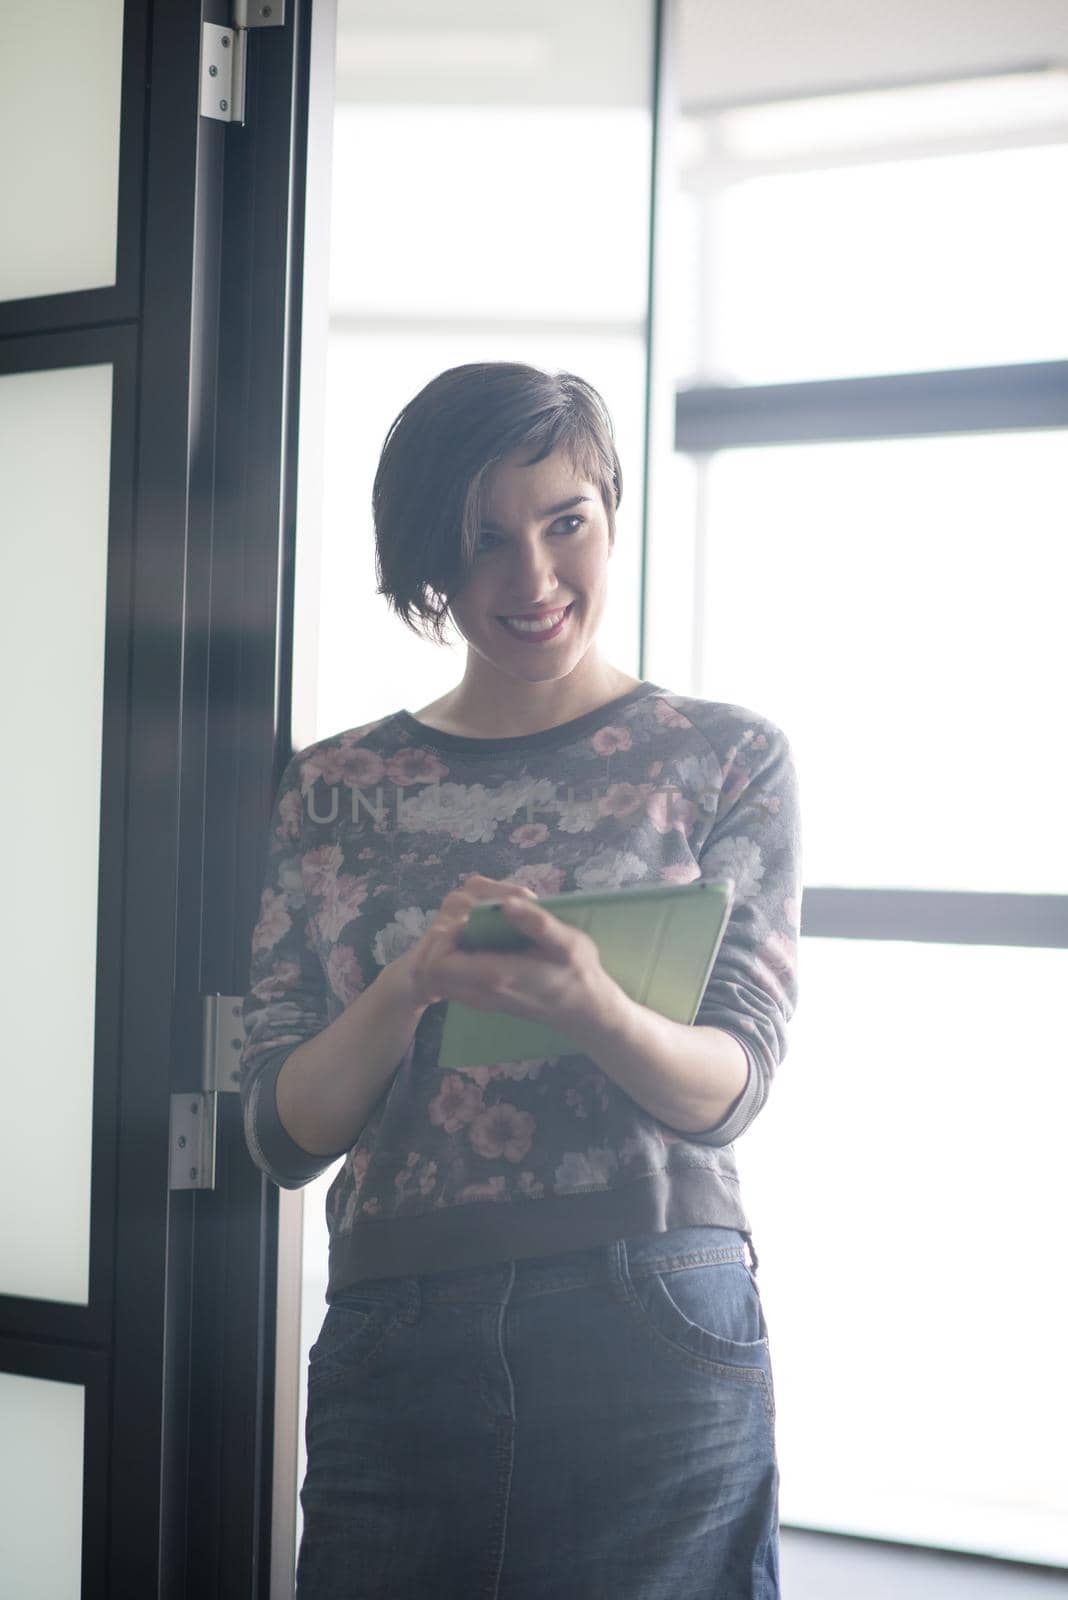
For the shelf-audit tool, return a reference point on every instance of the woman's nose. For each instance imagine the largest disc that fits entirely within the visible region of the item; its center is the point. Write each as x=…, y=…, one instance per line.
x=533, y=577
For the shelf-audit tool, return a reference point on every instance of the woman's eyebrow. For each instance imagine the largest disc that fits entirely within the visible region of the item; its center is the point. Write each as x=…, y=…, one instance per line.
x=550, y=511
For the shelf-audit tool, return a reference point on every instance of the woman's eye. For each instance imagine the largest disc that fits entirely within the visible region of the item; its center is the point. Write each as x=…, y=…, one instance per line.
x=577, y=521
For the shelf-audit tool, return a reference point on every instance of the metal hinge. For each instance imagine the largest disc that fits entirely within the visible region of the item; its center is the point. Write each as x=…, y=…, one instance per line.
x=223, y=55
x=192, y=1141
x=192, y=1147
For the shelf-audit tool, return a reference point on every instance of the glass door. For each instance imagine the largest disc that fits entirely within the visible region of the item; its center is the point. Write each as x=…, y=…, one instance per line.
x=69, y=262
x=479, y=187
x=146, y=265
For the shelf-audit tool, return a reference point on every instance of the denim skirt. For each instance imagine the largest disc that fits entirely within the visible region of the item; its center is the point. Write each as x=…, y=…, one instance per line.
x=592, y=1425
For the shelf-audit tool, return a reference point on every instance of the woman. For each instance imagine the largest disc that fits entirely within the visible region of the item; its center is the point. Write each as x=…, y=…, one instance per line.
x=544, y=1369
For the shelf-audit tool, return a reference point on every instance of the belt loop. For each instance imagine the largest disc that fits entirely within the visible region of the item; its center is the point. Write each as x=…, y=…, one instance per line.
x=752, y=1251
x=618, y=1271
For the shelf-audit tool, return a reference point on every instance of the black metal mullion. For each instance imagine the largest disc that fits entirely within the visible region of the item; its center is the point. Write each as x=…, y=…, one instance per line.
x=247, y=743
x=1031, y=395
x=150, y=1414
x=664, y=22
x=933, y=916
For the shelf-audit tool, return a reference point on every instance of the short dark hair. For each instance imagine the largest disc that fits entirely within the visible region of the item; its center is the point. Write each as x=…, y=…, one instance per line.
x=427, y=495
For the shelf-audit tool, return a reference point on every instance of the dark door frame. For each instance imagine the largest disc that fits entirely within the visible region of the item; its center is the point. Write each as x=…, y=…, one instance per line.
x=229, y=627
x=202, y=328
x=247, y=744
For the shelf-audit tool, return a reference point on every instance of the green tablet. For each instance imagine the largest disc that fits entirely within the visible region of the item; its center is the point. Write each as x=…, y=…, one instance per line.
x=658, y=941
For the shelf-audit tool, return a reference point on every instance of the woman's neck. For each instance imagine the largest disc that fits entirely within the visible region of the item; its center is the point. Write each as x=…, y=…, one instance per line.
x=505, y=708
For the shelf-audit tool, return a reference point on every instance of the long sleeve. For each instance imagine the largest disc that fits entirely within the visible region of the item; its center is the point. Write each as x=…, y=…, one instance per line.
x=288, y=1001
x=756, y=840
x=371, y=829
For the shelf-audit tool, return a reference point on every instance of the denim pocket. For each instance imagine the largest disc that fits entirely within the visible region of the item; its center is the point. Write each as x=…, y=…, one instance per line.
x=721, y=1299
x=353, y=1329
x=708, y=1314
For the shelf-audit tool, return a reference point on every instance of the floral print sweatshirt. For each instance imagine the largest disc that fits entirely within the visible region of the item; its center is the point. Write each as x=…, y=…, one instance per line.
x=372, y=828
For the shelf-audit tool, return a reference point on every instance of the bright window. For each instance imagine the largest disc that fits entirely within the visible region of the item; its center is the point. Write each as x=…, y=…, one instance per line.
x=907, y=600
x=905, y=1186
x=897, y=607
x=902, y=266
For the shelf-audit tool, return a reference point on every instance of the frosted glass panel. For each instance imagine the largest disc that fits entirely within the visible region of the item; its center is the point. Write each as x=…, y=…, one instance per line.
x=60, y=103
x=916, y=587
x=41, y=1440
x=55, y=441
x=905, y=1183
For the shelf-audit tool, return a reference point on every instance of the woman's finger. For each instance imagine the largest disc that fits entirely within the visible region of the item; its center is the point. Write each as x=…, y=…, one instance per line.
x=495, y=888
x=552, y=936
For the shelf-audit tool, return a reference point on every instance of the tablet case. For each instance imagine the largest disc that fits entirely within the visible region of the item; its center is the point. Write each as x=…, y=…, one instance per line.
x=659, y=942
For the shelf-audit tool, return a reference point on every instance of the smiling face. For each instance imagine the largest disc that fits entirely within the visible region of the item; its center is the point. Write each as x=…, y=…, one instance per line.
x=544, y=546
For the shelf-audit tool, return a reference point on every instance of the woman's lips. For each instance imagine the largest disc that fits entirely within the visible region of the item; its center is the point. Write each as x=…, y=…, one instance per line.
x=540, y=635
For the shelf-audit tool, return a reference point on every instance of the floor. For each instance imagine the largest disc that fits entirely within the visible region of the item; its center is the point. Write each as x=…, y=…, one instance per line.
x=818, y=1566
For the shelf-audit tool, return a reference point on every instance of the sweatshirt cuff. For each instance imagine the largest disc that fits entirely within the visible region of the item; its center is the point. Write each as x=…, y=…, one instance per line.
x=279, y=1156
x=742, y=1111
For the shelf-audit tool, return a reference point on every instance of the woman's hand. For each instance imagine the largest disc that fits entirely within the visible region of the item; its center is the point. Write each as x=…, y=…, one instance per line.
x=560, y=980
